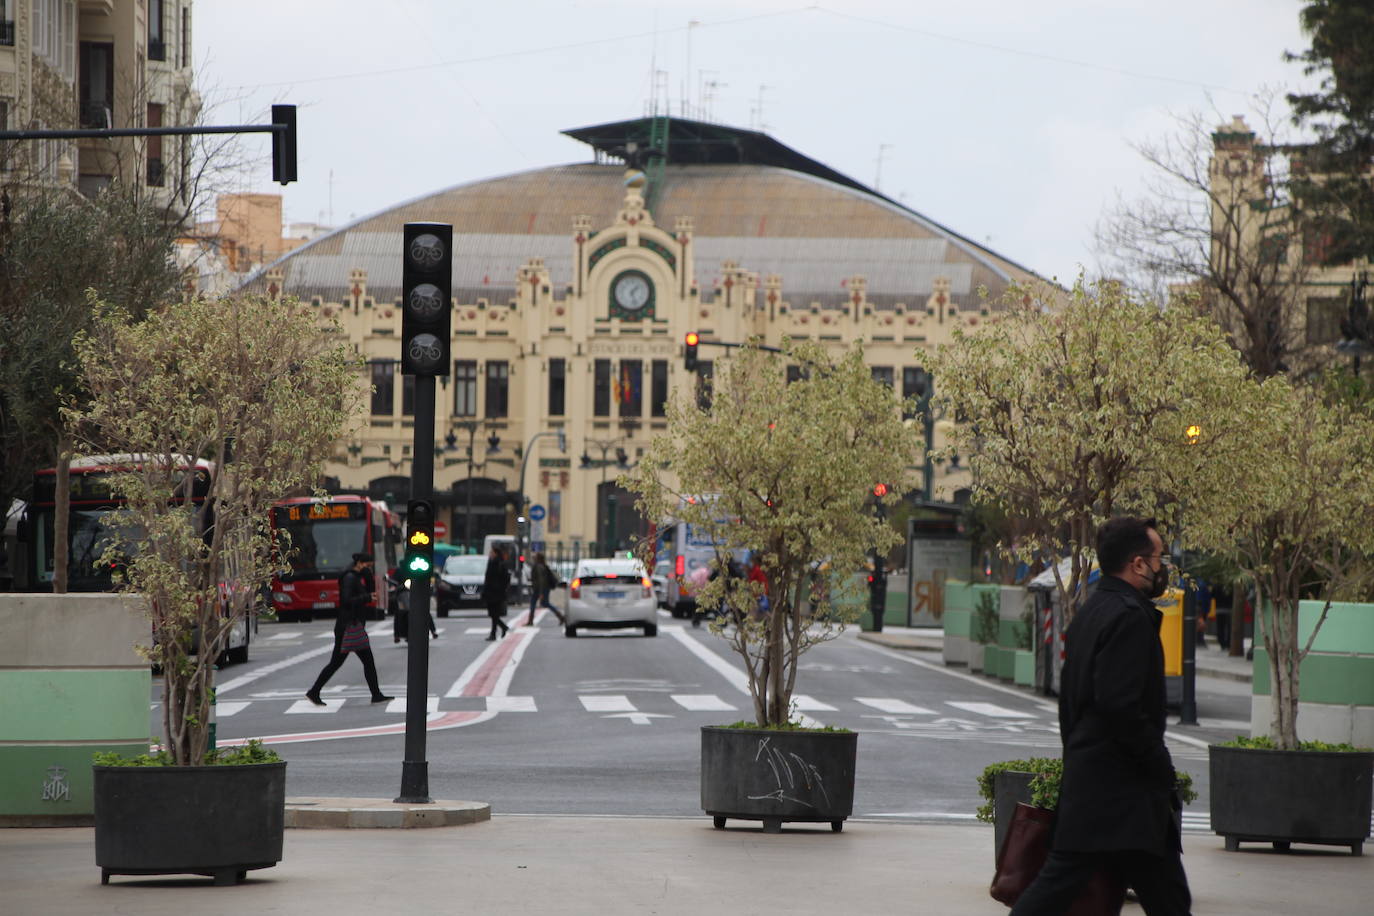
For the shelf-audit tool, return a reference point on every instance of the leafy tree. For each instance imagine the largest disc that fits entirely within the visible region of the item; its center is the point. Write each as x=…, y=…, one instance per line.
x=55, y=246
x=785, y=471
x=1290, y=511
x=250, y=384
x=1074, y=412
x=1332, y=185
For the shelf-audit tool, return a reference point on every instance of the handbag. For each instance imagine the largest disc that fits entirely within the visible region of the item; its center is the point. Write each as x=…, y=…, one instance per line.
x=355, y=638
x=1023, y=853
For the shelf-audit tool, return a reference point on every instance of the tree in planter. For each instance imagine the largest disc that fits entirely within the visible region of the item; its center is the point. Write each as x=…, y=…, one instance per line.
x=1293, y=518
x=1076, y=411
x=255, y=387
x=785, y=470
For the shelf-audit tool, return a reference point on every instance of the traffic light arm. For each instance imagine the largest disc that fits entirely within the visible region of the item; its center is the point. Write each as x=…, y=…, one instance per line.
x=283, y=130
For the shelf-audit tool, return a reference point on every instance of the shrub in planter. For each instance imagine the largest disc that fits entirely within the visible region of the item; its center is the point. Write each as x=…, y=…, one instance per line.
x=210, y=436
x=1035, y=781
x=784, y=472
x=222, y=818
x=1319, y=793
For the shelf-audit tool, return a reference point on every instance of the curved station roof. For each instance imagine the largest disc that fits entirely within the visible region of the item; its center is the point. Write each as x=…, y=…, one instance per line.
x=751, y=200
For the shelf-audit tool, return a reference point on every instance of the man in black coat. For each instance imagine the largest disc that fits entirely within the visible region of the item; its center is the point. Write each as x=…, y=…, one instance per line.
x=1117, y=801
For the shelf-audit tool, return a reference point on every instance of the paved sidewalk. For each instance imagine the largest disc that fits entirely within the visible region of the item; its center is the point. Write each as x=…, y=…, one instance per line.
x=1211, y=660
x=612, y=866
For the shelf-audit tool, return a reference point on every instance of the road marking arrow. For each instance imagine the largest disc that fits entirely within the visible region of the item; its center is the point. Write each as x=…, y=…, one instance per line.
x=638, y=718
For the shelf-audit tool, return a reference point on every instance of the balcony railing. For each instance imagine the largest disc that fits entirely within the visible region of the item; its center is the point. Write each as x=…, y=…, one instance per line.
x=157, y=50
x=7, y=33
x=156, y=176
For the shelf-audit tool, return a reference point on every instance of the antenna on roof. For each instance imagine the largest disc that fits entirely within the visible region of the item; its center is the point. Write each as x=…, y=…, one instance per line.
x=756, y=111
x=878, y=176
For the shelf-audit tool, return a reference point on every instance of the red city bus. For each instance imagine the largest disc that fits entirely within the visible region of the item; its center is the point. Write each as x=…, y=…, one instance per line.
x=324, y=535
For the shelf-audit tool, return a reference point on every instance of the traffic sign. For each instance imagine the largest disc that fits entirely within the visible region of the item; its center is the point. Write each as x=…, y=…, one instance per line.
x=440, y=530
x=537, y=512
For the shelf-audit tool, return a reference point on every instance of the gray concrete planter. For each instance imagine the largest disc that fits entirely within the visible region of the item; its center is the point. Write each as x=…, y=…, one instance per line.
x=1285, y=797
x=776, y=776
x=219, y=821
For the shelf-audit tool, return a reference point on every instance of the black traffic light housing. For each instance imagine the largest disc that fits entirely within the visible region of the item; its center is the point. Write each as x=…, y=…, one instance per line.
x=426, y=298
x=689, y=351
x=419, y=558
x=284, y=144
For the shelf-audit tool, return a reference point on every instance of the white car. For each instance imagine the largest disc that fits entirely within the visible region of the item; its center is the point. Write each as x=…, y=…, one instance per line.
x=610, y=594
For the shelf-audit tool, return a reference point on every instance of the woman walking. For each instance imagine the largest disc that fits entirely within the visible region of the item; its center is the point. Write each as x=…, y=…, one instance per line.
x=494, y=588
x=349, y=632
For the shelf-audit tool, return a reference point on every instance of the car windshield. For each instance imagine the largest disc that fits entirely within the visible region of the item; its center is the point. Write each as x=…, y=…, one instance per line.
x=465, y=566
x=597, y=569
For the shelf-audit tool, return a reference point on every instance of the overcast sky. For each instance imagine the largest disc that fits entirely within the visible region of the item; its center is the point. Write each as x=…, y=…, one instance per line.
x=1010, y=122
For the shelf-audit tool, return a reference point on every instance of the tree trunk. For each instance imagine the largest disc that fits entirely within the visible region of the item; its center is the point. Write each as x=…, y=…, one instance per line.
x=62, y=503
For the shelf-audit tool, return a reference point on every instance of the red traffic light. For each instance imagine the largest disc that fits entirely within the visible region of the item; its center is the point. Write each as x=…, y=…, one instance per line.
x=880, y=489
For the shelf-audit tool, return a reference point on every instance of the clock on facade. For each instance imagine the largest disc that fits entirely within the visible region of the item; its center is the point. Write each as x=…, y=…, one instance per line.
x=632, y=295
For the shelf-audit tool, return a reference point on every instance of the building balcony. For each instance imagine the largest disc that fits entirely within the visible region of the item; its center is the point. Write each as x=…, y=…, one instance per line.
x=7, y=33
x=157, y=50
x=96, y=114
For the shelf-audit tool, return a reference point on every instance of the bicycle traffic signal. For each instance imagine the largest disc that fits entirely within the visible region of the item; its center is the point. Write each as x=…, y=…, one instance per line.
x=426, y=296
x=689, y=351
x=419, y=558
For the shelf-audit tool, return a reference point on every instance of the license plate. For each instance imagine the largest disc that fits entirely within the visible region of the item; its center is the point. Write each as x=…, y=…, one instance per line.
x=470, y=589
x=611, y=594
x=321, y=605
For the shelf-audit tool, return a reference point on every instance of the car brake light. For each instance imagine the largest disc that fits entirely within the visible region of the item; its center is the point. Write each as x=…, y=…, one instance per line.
x=648, y=587
x=575, y=589
x=612, y=576
x=680, y=567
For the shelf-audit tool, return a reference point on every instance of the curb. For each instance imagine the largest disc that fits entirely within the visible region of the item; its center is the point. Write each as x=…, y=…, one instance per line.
x=375, y=813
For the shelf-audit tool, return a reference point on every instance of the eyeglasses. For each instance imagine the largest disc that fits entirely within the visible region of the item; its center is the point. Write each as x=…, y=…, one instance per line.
x=1163, y=558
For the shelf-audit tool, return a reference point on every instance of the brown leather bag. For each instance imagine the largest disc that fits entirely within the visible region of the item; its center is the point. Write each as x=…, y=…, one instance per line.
x=1023, y=853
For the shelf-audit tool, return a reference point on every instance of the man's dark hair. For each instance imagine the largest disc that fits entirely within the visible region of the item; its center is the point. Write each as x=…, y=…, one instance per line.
x=1120, y=539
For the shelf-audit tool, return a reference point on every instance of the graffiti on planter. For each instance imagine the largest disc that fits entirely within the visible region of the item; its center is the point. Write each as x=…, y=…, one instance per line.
x=791, y=774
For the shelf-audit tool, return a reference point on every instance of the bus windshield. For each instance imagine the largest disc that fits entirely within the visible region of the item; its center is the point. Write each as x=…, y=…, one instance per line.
x=323, y=538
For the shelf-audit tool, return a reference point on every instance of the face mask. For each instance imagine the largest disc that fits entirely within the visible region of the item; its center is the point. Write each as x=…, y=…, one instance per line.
x=1160, y=582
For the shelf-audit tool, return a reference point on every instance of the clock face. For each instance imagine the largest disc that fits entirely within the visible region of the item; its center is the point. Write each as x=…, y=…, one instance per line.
x=632, y=291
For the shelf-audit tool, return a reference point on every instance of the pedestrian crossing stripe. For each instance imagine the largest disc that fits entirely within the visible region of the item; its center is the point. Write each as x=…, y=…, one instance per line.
x=337, y=697
x=989, y=709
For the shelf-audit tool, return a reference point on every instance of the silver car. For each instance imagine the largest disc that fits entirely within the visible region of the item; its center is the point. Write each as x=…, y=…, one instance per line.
x=460, y=583
x=610, y=594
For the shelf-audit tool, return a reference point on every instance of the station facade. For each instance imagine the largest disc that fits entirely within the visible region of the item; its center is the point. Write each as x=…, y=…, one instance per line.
x=574, y=287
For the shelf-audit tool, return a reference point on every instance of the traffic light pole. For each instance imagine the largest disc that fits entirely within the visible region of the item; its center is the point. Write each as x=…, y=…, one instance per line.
x=415, y=768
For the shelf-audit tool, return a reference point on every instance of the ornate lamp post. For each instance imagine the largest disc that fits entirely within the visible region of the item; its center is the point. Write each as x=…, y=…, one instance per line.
x=604, y=445
x=493, y=446
x=1357, y=331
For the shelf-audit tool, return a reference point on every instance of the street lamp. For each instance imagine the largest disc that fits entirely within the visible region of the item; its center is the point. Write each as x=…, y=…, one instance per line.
x=925, y=392
x=605, y=445
x=493, y=446
x=1357, y=332
x=520, y=494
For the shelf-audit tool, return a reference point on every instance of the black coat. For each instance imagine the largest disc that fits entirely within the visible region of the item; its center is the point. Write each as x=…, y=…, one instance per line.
x=353, y=595
x=1118, y=777
x=495, y=584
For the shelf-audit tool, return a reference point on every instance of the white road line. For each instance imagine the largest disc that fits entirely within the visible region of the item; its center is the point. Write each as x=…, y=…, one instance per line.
x=899, y=707
x=603, y=703
x=733, y=675
x=701, y=702
x=258, y=673
x=288, y=634
x=989, y=709
x=399, y=705
x=305, y=707
x=228, y=708
x=511, y=704
x=473, y=631
x=811, y=704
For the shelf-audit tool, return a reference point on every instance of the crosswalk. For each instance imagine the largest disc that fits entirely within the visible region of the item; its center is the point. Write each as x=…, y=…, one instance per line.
x=886, y=710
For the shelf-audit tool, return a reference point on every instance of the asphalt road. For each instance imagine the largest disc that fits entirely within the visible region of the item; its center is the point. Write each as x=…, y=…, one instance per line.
x=607, y=723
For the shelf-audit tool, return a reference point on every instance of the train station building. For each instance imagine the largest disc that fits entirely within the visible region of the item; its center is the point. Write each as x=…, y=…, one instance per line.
x=574, y=287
